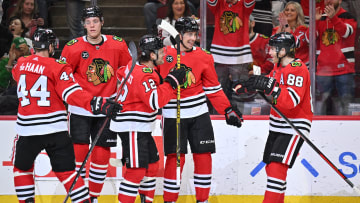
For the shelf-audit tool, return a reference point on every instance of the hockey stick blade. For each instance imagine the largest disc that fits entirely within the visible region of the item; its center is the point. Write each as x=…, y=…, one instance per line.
x=164, y=25
x=308, y=141
x=133, y=52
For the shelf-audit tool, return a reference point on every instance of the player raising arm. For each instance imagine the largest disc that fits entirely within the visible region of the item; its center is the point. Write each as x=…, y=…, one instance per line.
x=289, y=86
x=144, y=93
x=43, y=83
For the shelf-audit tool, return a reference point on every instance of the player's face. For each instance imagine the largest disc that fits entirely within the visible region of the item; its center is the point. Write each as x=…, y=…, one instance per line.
x=273, y=54
x=15, y=27
x=160, y=59
x=178, y=7
x=290, y=13
x=189, y=39
x=93, y=26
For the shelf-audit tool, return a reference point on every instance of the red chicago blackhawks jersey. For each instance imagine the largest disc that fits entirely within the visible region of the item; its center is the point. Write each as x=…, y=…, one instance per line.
x=142, y=96
x=260, y=51
x=302, y=42
x=193, y=97
x=230, y=44
x=294, y=100
x=335, y=44
x=42, y=86
x=94, y=66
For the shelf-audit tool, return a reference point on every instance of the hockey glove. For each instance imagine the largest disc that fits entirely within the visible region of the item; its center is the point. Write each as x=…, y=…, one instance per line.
x=242, y=87
x=264, y=84
x=176, y=77
x=104, y=106
x=233, y=117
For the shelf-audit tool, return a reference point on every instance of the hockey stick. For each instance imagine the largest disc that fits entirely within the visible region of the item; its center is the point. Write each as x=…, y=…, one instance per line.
x=311, y=144
x=162, y=24
x=133, y=51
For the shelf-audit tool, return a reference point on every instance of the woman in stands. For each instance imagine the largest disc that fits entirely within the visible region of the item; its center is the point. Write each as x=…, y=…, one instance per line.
x=27, y=11
x=292, y=20
x=176, y=9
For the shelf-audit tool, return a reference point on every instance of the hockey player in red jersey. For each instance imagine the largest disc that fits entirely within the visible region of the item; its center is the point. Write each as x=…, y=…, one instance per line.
x=289, y=85
x=196, y=125
x=95, y=59
x=43, y=84
x=144, y=93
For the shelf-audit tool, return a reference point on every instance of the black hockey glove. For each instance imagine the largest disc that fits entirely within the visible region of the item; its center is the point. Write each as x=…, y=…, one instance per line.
x=176, y=77
x=242, y=87
x=233, y=117
x=264, y=84
x=104, y=106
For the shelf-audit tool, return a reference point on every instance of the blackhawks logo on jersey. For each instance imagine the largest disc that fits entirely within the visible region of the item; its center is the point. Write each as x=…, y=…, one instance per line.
x=60, y=61
x=330, y=36
x=99, y=71
x=147, y=70
x=71, y=42
x=295, y=64
x=117, y=38
x=230, y=22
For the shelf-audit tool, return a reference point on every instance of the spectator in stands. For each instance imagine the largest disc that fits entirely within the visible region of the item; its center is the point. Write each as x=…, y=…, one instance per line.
x=259, y=49
x=74, y=10
x=230, y=45
x=176, y=9
x=335, y=63
x=5, y=44
x=8, y=99
x=291, y=20
x=27, y=11
x=150, y=12
x=18, y=29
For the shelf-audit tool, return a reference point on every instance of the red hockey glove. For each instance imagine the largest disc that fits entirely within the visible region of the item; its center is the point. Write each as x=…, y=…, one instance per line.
x=104, y=106
x=267, y=85
x=233, y=117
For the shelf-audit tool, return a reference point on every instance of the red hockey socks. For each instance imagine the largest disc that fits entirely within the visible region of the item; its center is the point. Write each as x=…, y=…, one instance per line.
x=80, y=153
x=276, y=182
x=147, y=185
x=129, y=186
x=24, y=184
x=202, y=175
x=98, y=168
x=80, y=192
x=171, y=190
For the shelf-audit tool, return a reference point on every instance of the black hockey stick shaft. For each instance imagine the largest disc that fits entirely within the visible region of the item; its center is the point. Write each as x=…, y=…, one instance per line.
x=178, y=123
x=309, y=142
x=133, y=51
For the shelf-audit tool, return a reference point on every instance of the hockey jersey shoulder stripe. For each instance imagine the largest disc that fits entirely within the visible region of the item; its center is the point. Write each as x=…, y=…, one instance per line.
x=212, y=2
x=211, y=90
x=68, y=91
x=249, y=4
